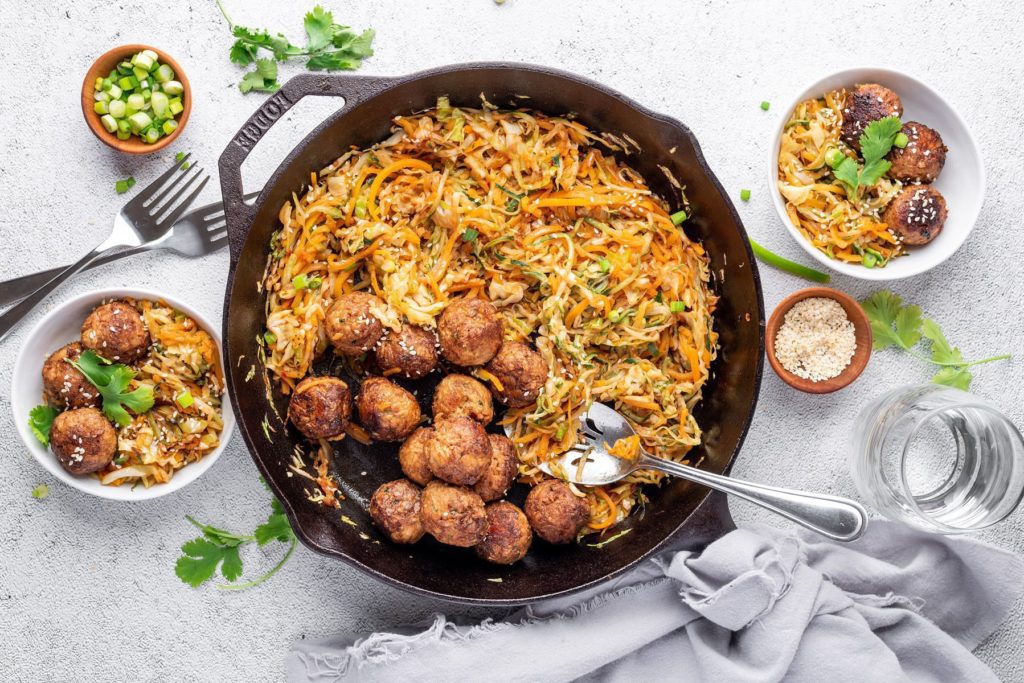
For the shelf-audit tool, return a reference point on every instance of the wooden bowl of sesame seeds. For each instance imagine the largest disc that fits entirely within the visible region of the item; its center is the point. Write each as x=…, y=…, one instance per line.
x=818, y=340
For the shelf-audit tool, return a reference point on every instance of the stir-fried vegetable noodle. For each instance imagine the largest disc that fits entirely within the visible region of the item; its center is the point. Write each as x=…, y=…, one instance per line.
x=534, y=214
x=844, y=227
x=183, y=369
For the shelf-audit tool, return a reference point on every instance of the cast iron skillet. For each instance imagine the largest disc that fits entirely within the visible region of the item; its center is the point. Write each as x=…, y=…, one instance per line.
x=676, y=509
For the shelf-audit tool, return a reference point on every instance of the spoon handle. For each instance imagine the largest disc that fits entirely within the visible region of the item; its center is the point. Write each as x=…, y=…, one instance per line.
x=840, y=519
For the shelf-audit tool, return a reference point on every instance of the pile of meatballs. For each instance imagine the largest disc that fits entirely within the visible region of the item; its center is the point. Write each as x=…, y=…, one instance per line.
x=918, y=212
x=81, y=437
x=456, y=473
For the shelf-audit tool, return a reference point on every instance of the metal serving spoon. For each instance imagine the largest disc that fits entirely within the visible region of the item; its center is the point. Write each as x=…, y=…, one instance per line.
x=838, y=518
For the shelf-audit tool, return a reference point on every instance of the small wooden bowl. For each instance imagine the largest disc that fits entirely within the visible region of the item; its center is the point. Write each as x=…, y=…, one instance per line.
x=861, y=330
x=103, y=66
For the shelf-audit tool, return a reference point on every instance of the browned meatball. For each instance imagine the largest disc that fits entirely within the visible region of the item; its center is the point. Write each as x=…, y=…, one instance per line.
x=412, y=351
x=866, y=103
x=916, y=214
x=395, y=508
x=459, y=451
x=555, y=512
x=414, y=458
x=470, y=332
x=116, y=332
x=63, y=385
x=463, y=396
x=386, y=410
x=508, y=535
x=351, y=326
x=453, y=514
x=522, y=373
x=83, y=440
x=922, y=159
x=320, y=407
x=501, y=471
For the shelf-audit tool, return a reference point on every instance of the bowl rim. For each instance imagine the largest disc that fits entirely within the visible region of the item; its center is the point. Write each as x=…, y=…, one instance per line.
x=131, y=145
x=861, y=355
x=860, y=74
x=86, y=483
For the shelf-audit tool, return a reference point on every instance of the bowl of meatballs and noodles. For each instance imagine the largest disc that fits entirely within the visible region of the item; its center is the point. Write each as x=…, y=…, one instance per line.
x=421, y=324
x=915, y=215
x=173, y=356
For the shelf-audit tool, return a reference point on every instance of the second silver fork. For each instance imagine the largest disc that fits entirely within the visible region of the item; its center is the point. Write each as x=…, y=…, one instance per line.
x=148, y=217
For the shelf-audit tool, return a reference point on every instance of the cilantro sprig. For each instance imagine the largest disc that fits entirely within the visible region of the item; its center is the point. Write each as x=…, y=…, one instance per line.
x=329, y=47
x=40, y=421
x=875, y=142
x=218, y=548
x=896, y=325
x=112, y=381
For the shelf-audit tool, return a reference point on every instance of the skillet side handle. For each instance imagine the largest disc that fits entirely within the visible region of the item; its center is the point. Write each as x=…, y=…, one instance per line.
x=239, y=214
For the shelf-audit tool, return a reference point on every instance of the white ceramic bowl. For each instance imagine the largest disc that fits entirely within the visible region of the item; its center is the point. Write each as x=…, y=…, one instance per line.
x=962, y=181
x=61, y=326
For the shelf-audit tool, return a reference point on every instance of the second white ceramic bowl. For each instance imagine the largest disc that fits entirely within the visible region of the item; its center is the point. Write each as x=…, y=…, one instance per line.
x=962, y=181
x=63, y=325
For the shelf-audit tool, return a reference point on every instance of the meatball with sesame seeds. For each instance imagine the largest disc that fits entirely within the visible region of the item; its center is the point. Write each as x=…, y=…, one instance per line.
x=470, y=332
x=351, y=326
x=459, y=451
x=922, y=159
x=83, y=440
x=396, y=509
x=916, y=214
x=410, y=353
x=453, y=515
x=63, y=384
x=521, y=372
x=387, y=411
x=413, y=456
x=460, y=395
x=866, y=103
x=508, y=536
x=320, y=407
x=555, y=512
x=501, y=471
x=117, y=332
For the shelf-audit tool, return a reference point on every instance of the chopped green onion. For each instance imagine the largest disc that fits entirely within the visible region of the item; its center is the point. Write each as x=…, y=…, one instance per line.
x=833, y=157
x=901, y=140
x=117, y=109
x=143, y=61
x=765, y=105
x=605, y=265
x=122, y=186
x=315, y=282
x=560, y=432
x=677, y=306
x=360, y=208
x=150, y=135
x=160, y=104
x=678, y=217
x=109, y=123
x=139, y=122
x=173, y=87
x=169, y=127
x=140, y=73
x=299, y=282
x=868, y=259
x=785, y=264
x=184, y=399
x=123, y=134
x=145, y=93
x=99, y=83
x=176, y=106
x=101, y=96
x=115, y=91
x=100, y=108
x=469, y=235
x=745, y=195
x=269, y=337
x=136, y=101
x=163, y=73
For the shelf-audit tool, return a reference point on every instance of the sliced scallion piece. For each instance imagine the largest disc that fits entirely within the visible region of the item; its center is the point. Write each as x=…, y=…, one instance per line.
x=678, y=217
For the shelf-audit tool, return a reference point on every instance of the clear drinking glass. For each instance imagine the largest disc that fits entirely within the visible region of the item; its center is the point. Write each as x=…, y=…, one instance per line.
x=938, y=458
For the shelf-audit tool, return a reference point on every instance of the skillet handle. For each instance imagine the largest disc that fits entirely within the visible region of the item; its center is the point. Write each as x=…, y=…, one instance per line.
x=239, y=215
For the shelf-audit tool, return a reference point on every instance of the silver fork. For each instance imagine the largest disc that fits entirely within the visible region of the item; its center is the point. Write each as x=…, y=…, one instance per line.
x=146, y=218
x=199, y=232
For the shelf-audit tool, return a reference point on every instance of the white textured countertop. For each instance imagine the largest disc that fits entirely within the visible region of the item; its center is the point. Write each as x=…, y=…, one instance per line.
x=87, y=589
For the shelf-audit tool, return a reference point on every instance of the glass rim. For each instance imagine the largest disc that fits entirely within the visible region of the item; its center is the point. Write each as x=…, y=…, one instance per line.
x=905, y=485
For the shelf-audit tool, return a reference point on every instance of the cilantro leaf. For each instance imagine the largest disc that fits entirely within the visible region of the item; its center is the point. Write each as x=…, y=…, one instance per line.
x=276, y=527
x=872, y=171
x=231, y=565
x=360, y=46
x=267, y=69
x=219, y=536
x=200, y=559
x=942, y=351
x=319, y=25
x=40, y=420
x=892, y=324
x=959, y=378
x=112, y=380
x=241, y=53
x=255, y=81
x=878, y=137
x=339, y=60
x=848, y=172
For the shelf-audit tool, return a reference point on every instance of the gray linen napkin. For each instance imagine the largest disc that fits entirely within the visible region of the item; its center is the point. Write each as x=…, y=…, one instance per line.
x=759, y=604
